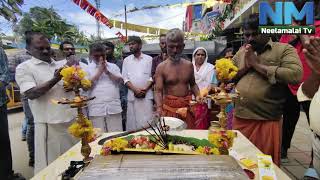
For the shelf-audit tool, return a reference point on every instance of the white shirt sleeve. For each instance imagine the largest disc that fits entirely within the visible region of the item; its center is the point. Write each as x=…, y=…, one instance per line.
x=116, y=70
x=150, y=66
x=24, y=78
x=125, y=75
x=301, y=96
x=86, y=69
x=209, y=77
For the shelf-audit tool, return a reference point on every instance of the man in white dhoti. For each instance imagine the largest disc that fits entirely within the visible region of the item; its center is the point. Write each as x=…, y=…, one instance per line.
x=39, y=80
x=136, y=73
x=105, y=110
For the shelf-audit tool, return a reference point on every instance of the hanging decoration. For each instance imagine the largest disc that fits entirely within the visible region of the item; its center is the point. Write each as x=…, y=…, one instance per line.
x=86, y=6
x=185, y=4
x=110, y=23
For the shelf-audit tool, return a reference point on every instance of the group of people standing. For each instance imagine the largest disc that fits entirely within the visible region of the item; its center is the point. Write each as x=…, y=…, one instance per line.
x=124, y=89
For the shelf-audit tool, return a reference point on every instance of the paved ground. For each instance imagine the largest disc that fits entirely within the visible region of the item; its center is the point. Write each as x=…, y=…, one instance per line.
x=18, y=147
x=299, y=153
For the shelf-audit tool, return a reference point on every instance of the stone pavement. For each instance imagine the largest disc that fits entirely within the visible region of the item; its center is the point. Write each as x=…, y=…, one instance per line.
x=299, y=154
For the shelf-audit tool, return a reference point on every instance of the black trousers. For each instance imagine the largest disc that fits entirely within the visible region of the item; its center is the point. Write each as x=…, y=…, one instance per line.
x=30, y=127
x=291, y=116
x=5, y=152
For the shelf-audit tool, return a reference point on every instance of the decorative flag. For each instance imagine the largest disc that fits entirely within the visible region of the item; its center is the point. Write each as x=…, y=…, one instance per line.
x=86, y=6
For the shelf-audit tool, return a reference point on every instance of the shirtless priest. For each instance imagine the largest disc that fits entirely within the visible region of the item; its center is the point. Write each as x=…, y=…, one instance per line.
x=175, y=82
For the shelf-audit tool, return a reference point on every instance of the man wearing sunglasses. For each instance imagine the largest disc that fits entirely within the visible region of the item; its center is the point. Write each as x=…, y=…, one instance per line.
x=265, y=69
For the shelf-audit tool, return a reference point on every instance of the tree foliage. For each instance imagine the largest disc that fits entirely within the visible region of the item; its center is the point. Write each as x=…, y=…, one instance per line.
x=9, y=9
x=49, y=22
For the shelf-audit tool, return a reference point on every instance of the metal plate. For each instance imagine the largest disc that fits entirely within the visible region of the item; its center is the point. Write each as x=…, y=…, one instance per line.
x=175, y=123
x=163, y=167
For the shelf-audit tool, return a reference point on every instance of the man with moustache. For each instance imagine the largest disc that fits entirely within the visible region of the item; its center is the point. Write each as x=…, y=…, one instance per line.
x=265, y=69
x=67, y=49
x=39, y=80
x=69, y=53
x=175, y=82
x=162, y=56
x=136, y=73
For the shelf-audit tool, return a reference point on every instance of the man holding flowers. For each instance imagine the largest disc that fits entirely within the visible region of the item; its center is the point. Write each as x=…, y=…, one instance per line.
x=39, y=80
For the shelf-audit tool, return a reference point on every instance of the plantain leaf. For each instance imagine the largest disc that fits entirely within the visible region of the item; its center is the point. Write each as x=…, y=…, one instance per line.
x=180, y=140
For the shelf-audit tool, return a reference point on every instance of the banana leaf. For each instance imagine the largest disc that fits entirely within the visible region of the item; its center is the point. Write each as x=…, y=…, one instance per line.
x=179, y=140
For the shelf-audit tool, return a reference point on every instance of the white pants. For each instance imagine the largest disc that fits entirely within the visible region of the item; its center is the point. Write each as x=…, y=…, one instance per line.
x=108, y=123
x=316, y=153
x=50, y=141
x=139, y=112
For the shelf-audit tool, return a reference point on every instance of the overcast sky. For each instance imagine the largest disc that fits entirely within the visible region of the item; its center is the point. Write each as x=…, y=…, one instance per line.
x=160, y=17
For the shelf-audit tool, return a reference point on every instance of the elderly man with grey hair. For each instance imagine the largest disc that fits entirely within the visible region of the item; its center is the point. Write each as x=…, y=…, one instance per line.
x=175, y=82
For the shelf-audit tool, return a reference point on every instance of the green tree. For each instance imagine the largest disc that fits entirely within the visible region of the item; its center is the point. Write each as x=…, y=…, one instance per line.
x=9, y=9
x=49, y=22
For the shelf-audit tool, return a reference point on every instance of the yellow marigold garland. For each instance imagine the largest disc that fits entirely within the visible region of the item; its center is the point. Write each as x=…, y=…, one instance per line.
x=74, y=76
x=208, y=150
x=222, y=138
x=225, y=69
x=83, y=128
x=116, y=144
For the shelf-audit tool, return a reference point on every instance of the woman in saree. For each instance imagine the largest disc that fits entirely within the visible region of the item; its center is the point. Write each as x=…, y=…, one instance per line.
x=203, y=72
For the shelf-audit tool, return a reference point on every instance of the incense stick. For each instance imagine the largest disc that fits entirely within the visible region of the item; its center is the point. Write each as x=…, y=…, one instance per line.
x=159, y=136
x=165, y=128
x=159, y=144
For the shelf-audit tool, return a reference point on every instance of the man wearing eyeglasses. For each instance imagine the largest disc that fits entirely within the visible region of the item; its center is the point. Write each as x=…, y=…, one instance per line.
x=265, y=69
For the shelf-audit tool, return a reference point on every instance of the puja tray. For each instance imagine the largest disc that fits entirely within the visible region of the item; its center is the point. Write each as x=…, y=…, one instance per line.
x=132, y=166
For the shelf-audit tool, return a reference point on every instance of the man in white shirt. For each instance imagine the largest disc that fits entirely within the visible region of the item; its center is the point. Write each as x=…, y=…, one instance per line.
x=136, y=73
x=310, y=90
x=105, y=110
x=39, y=80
